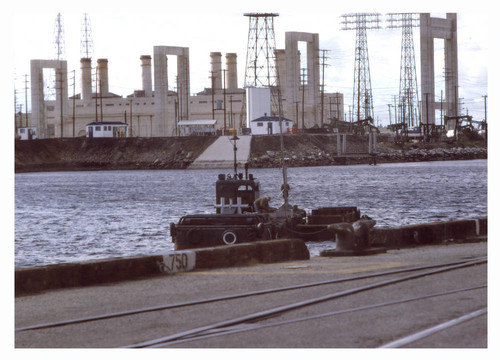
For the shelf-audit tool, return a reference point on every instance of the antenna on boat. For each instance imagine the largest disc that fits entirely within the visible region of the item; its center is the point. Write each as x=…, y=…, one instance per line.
x=234, y=139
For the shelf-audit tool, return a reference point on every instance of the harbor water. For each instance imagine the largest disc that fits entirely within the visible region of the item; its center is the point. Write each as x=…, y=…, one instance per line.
x=76, y=216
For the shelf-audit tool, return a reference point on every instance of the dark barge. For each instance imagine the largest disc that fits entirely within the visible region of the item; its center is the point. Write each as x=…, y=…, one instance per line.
x=238, y=219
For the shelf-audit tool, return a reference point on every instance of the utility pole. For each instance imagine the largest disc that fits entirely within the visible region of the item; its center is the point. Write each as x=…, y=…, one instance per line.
x=231, y=125
x=95, y=97
x=396, y=120
x=485, y=118
x=390, y=122
x=297, y=113
x=337, y=102
x=323, y=64
x=485, y=112
x=330, y=111
x=100, y=97
x=303, y=94
x=15, y=111
x=26, y=99
x=74, y=90
x=224, y=87
x=426, y=128
x=130, y=132
x=61, y=98
x=441, y=108
x=212, y=79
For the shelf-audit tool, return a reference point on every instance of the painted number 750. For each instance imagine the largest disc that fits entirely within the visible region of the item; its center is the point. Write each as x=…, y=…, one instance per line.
x=177, y=262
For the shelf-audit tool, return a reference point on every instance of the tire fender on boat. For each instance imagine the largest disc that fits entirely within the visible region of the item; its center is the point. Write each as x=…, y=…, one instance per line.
x=229, y=237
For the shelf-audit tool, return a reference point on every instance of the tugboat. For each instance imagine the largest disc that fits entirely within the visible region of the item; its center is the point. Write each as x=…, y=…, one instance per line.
x=239, y=219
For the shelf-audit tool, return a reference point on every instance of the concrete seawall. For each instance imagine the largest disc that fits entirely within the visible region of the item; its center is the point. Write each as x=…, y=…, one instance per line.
x=430, y=233
x=59, y=276
x=31, y=280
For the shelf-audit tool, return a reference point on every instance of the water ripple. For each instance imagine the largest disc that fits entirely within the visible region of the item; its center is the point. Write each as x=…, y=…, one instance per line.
x=75, y=216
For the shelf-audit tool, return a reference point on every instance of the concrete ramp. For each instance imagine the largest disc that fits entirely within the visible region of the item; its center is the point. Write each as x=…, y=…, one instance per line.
x=220, y=154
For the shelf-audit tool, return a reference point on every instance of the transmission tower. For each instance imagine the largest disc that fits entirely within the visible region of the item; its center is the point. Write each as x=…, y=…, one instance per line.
x=59, y=38
x=86, y=43
x=408, y=88
x=260, y=68
x=362, y=92
x=59, y=47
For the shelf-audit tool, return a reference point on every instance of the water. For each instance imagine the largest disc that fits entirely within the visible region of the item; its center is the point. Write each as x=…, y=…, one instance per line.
x=74, y=216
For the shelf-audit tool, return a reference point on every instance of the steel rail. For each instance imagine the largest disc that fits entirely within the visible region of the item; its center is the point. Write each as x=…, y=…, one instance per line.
x=281, y=309
x=249, y=327
x=231, y=297
x=434, y=329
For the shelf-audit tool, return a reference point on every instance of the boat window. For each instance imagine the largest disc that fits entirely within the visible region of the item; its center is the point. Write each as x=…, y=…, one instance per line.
x=97, y=128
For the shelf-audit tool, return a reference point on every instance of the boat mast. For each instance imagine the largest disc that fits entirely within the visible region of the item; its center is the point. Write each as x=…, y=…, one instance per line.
x=235, y=164
x=285, y=187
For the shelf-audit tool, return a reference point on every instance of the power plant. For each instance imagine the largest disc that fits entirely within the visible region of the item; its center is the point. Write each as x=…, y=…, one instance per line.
x=295, y=89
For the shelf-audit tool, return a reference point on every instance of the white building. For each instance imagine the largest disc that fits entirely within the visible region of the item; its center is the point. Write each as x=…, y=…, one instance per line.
x=269, y=125
x=258, y=103
x=197, y=127
x=106, y=129
x=26, y=133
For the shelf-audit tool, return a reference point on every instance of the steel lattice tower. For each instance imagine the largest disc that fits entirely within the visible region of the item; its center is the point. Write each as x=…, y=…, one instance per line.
x=59, y=47
x=59, y=38
x=260, y=68
x=362, y=90
x=408, y=87
x=86, y=43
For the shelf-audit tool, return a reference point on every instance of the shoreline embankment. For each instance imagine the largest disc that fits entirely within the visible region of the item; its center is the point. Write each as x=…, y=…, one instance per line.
x=84, y=154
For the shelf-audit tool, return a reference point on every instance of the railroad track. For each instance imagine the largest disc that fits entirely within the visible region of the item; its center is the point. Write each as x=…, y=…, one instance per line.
x=260, y=320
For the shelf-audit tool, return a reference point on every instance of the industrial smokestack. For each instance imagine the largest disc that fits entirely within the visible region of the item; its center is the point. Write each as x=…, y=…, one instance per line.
x=86, y=69
x=102, y=73
x=146, y=75
x=231, y=71
x=215, y=62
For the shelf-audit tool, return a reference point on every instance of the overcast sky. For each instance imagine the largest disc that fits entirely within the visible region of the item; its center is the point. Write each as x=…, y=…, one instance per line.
x=124, y=30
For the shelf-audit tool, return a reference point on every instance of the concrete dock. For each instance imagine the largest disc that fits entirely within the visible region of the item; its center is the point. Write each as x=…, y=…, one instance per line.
x=370, y=328
x=220, y=154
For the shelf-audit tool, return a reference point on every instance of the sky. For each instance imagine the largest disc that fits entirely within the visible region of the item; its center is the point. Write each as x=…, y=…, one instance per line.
x=123, y=31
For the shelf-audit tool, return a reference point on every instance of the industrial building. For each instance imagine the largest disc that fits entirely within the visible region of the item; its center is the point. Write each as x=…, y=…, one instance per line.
x=156, y=111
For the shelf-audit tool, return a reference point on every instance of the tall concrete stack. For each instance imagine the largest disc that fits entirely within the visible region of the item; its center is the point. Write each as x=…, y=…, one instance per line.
x=215, y=62
x=146, y=75
x=102, y=73
x=86, y=69
x=231, y=71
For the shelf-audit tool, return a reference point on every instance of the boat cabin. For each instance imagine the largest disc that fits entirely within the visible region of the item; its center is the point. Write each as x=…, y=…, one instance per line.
x=234, y=195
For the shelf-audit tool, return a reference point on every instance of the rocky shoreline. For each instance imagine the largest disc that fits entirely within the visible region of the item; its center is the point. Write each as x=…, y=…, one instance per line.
x=81, y=154
x=272, y=159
